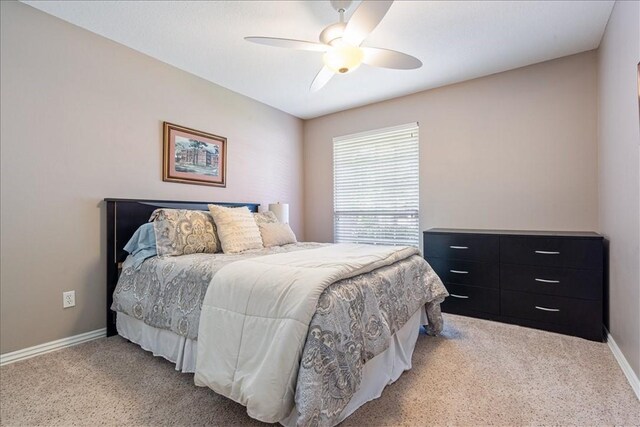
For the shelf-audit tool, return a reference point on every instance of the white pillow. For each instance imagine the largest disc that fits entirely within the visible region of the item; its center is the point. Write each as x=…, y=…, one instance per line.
x=276, y=234
x=237, y=229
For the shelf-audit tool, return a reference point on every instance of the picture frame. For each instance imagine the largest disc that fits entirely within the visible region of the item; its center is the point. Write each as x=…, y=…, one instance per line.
x=191, y=156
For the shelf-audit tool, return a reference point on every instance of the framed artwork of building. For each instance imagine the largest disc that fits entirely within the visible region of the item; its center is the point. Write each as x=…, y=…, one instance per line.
x=193, y=157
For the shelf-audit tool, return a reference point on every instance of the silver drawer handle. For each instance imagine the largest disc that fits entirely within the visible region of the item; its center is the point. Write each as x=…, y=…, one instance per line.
x=459, y=271
x=459, y=247
x=459, y=296
x=548, y=252
x=547, y=309
x=546, y=280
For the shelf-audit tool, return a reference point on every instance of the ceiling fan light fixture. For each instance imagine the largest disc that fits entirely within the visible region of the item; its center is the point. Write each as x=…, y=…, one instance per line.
x=343, y=59
x=340, y=42
x=333, y=33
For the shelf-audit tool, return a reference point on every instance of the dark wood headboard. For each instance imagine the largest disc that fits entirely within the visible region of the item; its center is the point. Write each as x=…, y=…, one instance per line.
x=124, y=216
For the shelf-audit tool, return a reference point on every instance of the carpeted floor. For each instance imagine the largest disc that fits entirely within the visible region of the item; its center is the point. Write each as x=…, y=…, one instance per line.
x=476, y=373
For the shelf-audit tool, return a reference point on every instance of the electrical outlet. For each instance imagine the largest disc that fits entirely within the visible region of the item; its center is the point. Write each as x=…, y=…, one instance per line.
x=68, y=299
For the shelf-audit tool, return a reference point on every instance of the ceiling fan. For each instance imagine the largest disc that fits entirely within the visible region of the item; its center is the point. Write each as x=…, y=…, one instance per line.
x=341, y=43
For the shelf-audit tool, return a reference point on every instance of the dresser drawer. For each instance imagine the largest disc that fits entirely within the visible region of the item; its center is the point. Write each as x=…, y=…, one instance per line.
x=462, y=298
x=550, y=309
x=552, y=252
x=569, y=282
x=461, y=246
x=466, y=272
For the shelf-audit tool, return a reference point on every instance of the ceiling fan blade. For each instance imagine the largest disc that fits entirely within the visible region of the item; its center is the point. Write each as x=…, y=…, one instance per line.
x=364, y=20
x=321, y=79
x=289, y=43
x=386, y=58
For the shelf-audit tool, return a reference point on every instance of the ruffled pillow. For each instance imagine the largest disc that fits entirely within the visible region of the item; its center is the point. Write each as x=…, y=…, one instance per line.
x=237, y=228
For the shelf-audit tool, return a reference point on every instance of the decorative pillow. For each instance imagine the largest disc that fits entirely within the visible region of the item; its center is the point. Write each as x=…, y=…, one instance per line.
x=237, y=228
x=183, y=232
x=265, y=217
x=276, y=234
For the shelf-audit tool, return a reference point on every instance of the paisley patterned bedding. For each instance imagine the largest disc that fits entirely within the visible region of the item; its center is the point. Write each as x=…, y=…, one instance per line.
x=167, y=292
x=353, y=323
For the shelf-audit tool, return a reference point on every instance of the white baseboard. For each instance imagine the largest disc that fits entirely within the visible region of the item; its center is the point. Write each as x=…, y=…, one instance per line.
x=48, y=347
x=624, y=364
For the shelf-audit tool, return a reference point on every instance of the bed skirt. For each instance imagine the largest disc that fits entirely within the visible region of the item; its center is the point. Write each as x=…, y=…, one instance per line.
x=161, y=342
x=383, y=369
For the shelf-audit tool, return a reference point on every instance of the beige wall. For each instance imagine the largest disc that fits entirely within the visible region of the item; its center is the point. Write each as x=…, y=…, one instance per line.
x=619, y=172
x=515, y=150
x=81, y=120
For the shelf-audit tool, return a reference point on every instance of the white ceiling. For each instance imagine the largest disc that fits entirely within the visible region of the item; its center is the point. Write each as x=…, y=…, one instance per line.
x=456, y=41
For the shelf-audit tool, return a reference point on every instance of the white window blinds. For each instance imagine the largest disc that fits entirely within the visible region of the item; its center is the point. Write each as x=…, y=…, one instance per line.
x=375, y=187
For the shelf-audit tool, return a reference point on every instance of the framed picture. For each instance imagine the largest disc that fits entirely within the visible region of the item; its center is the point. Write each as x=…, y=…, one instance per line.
x=193, y=157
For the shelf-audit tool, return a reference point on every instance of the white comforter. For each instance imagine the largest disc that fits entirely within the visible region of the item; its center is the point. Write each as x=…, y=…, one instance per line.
x=256, y=314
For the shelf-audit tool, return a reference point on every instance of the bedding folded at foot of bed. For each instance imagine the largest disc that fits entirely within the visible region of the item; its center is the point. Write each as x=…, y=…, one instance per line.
x=256, y=316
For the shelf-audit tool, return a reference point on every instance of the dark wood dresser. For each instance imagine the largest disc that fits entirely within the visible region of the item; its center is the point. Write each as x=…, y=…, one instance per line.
x=545, y=280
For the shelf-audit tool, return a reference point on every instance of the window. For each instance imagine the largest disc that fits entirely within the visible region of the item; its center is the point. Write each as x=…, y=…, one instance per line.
x=375, y=187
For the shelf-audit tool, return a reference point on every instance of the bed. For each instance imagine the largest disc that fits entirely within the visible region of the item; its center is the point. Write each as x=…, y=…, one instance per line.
x=361, y=325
